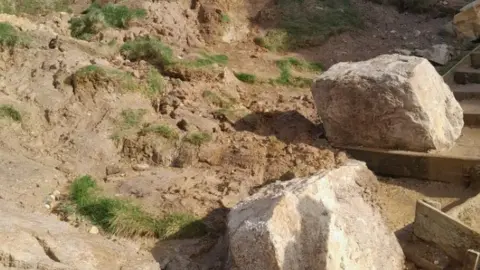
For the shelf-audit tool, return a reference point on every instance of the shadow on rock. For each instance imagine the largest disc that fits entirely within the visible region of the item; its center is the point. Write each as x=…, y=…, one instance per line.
x=186, y=249
x=308, y=250
x=287, y=126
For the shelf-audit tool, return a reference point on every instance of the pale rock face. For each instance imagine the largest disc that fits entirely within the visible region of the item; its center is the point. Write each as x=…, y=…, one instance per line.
x=391, y=102
x=36, y=241
x=327, y=221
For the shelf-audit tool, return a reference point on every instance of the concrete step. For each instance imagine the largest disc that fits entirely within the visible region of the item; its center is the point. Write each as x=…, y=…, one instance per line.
x=454, y=165
x=466, y=91
x=475, y=59
x=466, y=75
x=471, y=112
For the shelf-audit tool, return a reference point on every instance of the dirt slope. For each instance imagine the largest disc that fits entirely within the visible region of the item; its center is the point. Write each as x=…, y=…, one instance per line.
x=208, y=138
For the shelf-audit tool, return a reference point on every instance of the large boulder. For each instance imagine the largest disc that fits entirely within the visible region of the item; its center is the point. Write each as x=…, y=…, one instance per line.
x=466, y=23
x=327, y=221
x=391, y=101
x=36, y=241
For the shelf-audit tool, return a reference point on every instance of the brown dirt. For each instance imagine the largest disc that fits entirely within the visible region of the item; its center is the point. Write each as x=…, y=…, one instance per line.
x=268, y=133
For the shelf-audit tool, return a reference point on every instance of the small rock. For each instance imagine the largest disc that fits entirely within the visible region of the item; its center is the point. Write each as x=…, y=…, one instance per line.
x=136, y=74
x=141, y=167
x=438, y=54
x=403, y=51
x=53, y=43
x=113, y=169
x=288, y=176
x=183, y=125
x=417, y=33
x=94, y=230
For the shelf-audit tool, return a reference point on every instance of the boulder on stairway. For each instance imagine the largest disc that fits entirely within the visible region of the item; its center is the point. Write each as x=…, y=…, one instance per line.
x=327, y=221
x=390, y=102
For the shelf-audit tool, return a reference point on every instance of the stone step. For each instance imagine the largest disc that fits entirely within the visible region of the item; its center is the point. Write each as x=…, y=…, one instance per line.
x=471, y=112
x=452, y=165
x=466, y=75
x=475, y=59
x=466, y=91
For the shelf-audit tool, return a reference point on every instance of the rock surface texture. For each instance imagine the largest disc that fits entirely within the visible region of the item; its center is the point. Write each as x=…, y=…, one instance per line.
x=467, y=22
x=34, y=241
x=327, y=221
x=391, y=101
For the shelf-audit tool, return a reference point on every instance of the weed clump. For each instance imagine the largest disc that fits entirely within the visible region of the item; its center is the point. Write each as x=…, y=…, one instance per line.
x=198, y=138
x=8, y=111
x=34, y=7
x=10, y=37
x=206, y=59
x=216, y=100
x=286, y=77
x=309, y=23
x=123, y=218
x=246, y=77
x=162, y=130
x=97, y=17
x=150, y=50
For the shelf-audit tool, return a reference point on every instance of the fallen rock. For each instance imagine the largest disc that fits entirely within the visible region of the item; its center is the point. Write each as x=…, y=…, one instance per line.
x=326, y=221
x=466, y=23
x=113, y=169
x=35, y=241
x=391, y=101
x=141, y=167
x=438, y=54
x=94, y=230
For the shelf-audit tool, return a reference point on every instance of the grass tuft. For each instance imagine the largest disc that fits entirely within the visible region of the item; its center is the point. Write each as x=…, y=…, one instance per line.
x=309, y=23
x=198, y=138
x=132, y=118
x=97, y=17
x=286, y=77
x=150, y=50
x=216, y=100
x=34, y=7
x=9, y=36
x=123, y=218
x=209, y=59
x=152, y=86
x=225, y=18
x=155, y=82
x=8, y=111
x=246, y=77
x=162, y=130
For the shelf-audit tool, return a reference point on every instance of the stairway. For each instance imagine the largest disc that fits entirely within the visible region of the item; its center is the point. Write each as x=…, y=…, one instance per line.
x=464, y=81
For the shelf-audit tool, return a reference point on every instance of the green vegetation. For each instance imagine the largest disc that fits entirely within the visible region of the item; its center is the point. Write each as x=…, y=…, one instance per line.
x=301, y=64
x=123, y=218
x=215, y=99
x=307, y=23
x=225, y=18
x=132, y=118
x=33, y=7
x=150, y=50
x=198, y=138
x=155, y=82
x=152, y=86
x=286, y=77
x=246, y=77
x=9, y=36
x=97, y=17
x=8, y=111
x=162, y=130
x=103, y=75
x=209, y=59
